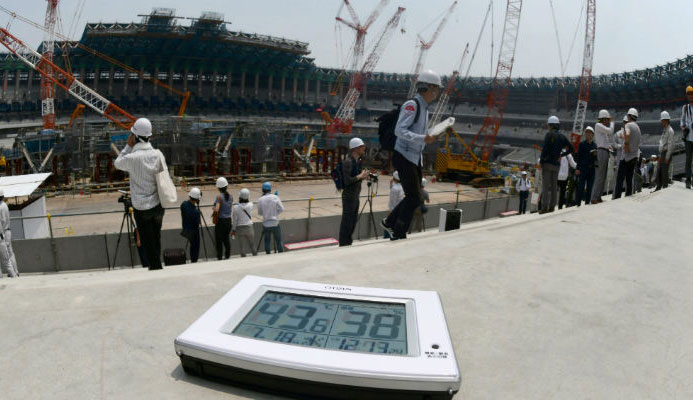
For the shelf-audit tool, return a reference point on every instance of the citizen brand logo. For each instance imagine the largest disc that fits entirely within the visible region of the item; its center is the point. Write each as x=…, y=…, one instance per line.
x=338, y=288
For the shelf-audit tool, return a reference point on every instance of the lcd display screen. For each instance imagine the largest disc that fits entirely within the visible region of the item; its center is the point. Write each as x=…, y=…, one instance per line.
x=313, y=321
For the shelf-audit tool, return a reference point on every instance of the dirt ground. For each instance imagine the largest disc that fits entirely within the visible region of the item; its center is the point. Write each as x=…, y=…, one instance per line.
x=294, y=195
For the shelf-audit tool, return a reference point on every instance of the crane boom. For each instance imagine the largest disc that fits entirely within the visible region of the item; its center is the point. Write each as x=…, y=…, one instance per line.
x=47, y=88
x=361, y=30
x=586, y=77
x=424, y=46
x=65, y=80
x=498, y=97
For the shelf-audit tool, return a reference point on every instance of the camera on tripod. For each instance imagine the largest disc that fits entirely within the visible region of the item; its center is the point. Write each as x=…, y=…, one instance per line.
x=125, y=199
x=372, y=178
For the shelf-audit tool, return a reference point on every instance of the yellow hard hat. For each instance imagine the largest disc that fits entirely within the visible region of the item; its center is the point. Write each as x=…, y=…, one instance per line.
x=689, y=89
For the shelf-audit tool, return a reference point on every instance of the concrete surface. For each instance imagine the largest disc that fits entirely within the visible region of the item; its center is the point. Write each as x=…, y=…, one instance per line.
x=582, y=303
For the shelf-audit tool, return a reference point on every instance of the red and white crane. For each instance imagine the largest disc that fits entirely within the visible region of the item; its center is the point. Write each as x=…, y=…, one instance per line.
x=56, y=75
x=344, y=118
x=498, y=98
x=360, y=29
x=47, y=87
x=424, y=46
x=586, y=77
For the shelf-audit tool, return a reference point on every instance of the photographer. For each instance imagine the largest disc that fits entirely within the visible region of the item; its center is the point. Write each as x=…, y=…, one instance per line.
x=687, y=128
x=352, y=189
x=142, y=162
x=190, y=218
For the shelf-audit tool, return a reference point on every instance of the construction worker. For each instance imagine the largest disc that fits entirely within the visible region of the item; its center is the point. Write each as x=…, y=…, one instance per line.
x=687, y=131
x=585, y=159
x=269, y=206
x=554, y=144
x=603, y=138
x=407, y=158
x=567, y=162
x=222, y=219
x=190, y=217
x=523, y=186
x=7, y=258
x=242, y=223
x=666, y=146
x=629, y=154
x=352, y=176
x=142, y=162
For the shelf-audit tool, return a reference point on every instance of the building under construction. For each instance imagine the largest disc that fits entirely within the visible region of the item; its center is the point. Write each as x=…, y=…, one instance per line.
x=252, y=104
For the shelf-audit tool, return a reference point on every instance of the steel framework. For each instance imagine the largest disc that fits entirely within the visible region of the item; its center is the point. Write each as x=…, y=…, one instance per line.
x=586, y=76
x=47, y=87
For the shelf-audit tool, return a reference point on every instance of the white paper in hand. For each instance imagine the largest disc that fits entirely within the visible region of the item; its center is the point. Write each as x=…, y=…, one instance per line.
x=441, y=127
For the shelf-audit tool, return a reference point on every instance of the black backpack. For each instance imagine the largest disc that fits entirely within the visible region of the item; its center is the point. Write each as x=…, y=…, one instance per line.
x=387, y=123
x=337, y=174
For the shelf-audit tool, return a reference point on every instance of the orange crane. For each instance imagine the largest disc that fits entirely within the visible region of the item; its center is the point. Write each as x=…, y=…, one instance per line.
x=586, y=77
x=185, y=95
x=47, y=88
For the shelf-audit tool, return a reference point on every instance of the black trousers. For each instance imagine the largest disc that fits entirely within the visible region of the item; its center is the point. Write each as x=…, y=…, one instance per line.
x=663, y=172
x=350, y=215
x=562, y=185
x=410, y=179
x=221, y=234
x=585, y=182
x=194, y=240
x=625, y=173
x=149, y=225
x=524, y=194
x=689, y=159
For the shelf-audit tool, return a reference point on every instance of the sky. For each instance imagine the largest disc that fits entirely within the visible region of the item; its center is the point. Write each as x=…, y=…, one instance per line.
x=640, y=35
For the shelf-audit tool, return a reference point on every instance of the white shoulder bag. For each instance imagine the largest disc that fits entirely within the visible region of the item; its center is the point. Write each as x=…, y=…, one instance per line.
x=164, y=185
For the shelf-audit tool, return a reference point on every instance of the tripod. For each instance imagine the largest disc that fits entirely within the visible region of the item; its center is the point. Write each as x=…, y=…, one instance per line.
x=202, y=231
x=371, y=192
x=127, y=219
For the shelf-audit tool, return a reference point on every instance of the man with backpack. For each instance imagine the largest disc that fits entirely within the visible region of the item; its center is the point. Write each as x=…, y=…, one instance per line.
x=411, y=132
x=351, y=189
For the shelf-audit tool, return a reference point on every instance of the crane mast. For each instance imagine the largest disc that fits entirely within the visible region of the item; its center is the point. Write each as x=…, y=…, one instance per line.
x=586, y=77
x=47, y=87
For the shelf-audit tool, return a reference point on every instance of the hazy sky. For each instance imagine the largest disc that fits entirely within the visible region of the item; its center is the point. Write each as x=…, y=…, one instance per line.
x=630, y=34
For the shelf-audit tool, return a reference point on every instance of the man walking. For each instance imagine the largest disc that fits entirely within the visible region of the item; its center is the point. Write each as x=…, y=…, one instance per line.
x=411, y=131
x=269, y=206
x=142, y=162
x=666, y=146
x=603, y=138
x=352, y=177
x=687, y=130
x=7, y=258
x=554, y=143
x=523, y=186
x=586, y=155
x=190, y=218
x=631, y=154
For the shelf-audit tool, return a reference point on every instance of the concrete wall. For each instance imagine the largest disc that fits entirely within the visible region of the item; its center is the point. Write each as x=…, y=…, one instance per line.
x=98, y=251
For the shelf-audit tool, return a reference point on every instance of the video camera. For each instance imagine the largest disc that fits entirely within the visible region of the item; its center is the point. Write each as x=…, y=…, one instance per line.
x=125, y=199
x=372, y=177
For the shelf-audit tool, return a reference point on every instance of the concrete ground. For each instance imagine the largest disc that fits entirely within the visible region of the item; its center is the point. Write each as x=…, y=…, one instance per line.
x=289, y=191
x=592, y=302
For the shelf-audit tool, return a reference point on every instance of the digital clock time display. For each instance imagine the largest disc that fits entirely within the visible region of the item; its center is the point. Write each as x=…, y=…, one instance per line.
x=338, y=324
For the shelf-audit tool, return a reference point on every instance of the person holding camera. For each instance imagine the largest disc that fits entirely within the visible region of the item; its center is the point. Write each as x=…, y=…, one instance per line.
x=142, y=162
x=352, y=190
x=687, y=130
x=190, y=216
x=407, y=158
x=221, y=217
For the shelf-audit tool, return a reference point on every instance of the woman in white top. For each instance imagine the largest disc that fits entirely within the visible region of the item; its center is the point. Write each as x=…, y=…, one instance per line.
x=567, y=162
x=243, y=223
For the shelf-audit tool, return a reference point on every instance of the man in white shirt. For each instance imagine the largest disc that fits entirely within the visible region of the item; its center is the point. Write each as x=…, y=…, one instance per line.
x=523, y=186
x=142, y=162
x=687, y=129
x=666, y=146
x=567, y=162
x=603, y=138
x=269, y=206
x=7, y=259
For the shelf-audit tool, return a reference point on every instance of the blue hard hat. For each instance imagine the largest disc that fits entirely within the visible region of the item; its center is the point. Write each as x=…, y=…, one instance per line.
x=266, y=187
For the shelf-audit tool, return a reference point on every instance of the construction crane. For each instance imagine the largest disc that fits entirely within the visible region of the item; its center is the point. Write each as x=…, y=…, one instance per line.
x=66, y=40
x=66, y=81
x=360, y=29
x=47, y=87
x=344, y=118
x=445, y=96
x=586, y=77
x=424, y=46
x=474, y=159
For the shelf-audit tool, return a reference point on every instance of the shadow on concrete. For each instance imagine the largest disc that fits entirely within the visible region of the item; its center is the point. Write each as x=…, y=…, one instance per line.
x=179, y=374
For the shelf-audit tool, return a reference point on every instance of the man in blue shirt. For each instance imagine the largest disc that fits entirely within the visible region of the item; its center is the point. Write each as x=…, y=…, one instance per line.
x=190, y=216
x=412, y=137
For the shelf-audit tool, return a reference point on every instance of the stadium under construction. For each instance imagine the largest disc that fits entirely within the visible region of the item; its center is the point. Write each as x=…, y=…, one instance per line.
x=251, y=104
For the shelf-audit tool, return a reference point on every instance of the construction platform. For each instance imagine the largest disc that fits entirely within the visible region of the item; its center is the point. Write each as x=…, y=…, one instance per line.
x=590, y=302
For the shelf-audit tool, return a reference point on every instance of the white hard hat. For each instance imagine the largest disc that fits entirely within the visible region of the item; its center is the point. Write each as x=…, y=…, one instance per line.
x=244, y=194
x=553, y=120
x=222, y=182
x=604, y=114
x=355, y=142
x=395, y=175
x=633, y=112
x=429, y=76
x=423, y=182
x=625, y=118
x=664, y=115
x=142, y=127
x=195, y=193
x=524, y=172
x=653, y=156
x=589, y=128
